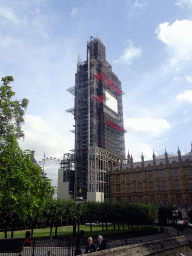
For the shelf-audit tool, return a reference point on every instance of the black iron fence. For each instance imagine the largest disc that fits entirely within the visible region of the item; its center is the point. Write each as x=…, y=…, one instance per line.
x=54, y=247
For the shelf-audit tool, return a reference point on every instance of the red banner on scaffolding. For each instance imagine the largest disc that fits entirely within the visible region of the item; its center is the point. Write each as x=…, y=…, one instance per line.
x=115, y=126
x=101, y=98
x=101, y=76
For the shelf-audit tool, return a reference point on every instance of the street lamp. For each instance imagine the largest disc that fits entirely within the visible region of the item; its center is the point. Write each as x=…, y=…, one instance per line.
x=79, y=200
x=176, y=214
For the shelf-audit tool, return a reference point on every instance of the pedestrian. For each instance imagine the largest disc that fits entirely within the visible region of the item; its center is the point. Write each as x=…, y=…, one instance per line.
x=90, y=247
x=101, y=244
x=27, y=242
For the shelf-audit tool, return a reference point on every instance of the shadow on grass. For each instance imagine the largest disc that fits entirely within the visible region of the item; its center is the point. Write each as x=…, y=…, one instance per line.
x=67, y=231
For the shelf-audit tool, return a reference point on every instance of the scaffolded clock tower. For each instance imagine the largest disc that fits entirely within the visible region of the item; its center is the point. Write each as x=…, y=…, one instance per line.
x=99, y=129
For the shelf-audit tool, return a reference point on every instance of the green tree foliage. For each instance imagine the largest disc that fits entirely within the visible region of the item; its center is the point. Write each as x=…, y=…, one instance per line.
x=57, y=210
x=51, y=213
x=116, y=213
x=21, y=184
x=151, y=212
x=106, y=212
x=11, y=111
x=23, y=191
x=90, y=211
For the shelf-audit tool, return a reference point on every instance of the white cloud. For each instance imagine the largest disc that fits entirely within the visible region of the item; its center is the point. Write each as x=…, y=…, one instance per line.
x=28, y=23
x=74, y=12
x=147, y=125
x=189, y=79
x=176, y=78
x=129, y=54
x=41, y=136
x=9, y=14
x=39, y=28
x=136, y=146
x=183, y=3
x=142, y=136
x=186, y=96
x=139, y=5
x=178, y=39
x=7, y=40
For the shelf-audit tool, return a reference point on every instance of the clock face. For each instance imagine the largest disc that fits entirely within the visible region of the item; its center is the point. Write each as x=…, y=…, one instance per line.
x=111, y=102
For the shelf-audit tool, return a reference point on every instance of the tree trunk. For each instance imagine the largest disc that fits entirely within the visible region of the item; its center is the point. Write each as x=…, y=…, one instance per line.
x=123, y=225
x=74, y=228
x=5, y=230
x=118, y=225
x=114, y=225
x=137, y=224
x=106, y=225
x=51, y=231
x=56, y=231
x=12, y=230
x=32, y=229
x=102, y=226
x=91, y=227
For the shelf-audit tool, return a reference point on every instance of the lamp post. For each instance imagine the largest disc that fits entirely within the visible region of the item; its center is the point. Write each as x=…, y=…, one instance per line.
x=79, y=200
x=175, y=214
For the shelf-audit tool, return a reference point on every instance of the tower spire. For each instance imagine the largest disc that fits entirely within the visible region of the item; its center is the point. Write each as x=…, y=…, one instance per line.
x=142, y=160
x=79, y=59
x=131, y=161
x=166, y=158
x=179, y=155
x=128, y=157
x=154, y=158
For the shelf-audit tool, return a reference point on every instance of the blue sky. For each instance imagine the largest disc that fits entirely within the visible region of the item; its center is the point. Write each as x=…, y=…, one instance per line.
x=149, y=45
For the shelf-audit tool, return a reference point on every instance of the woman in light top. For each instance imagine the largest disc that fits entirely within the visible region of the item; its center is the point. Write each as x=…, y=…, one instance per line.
x=90, y=247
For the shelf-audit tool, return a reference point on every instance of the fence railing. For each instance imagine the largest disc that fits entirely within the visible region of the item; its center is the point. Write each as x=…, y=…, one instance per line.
x=57, y=247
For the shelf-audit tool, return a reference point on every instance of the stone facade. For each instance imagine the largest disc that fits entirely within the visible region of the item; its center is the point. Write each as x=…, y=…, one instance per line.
x=165, y=180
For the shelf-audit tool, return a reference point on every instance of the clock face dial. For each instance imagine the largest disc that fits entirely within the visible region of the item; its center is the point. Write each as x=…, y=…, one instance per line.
x=111, y=102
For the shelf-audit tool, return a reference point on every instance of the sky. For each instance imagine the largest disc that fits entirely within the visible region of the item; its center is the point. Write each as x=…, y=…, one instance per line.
x=149, y=45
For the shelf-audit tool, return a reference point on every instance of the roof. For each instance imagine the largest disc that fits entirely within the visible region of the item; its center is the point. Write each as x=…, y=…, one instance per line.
x=161, y=159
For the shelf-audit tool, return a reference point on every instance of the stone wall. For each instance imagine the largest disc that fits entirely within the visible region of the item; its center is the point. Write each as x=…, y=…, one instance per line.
x=171, y=246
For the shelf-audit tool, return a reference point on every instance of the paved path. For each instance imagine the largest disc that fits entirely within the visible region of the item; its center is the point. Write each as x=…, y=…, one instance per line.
x=187, y=232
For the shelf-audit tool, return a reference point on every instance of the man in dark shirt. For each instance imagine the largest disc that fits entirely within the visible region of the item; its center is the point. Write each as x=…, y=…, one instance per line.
x=101, y=244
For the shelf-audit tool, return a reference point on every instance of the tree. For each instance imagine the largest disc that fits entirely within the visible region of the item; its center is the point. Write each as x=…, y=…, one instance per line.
x=21, y=184
x=23, y=191
x=105, y=213
x=117, y=213
x=152, y=212
x=11, y=112
x=165, y=212
x=90, y=210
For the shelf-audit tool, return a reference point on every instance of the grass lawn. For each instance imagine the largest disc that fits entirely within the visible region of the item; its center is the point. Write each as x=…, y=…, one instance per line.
x=67, y=231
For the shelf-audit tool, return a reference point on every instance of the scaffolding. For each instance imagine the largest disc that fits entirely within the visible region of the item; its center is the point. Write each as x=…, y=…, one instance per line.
x=97, y=126
x=101, y=163
x=68, y=167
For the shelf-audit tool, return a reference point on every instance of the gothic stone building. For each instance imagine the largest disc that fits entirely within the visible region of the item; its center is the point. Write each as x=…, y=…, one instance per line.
x=165, y=180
